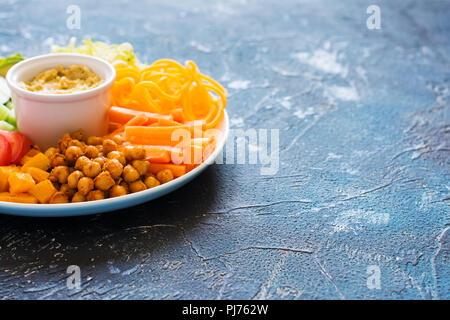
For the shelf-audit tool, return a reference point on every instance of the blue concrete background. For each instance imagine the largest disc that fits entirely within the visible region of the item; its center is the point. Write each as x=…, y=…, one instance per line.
x=363, y=183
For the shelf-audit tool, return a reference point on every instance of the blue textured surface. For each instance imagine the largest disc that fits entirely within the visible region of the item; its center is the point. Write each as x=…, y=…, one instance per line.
x=364, y=168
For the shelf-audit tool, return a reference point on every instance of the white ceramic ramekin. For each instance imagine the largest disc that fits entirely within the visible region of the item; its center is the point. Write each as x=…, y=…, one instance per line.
x=44, y=118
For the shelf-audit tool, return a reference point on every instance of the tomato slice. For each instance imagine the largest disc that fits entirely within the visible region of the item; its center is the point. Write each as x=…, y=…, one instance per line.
x=5, y=151
x=19, y=144
x=26, y=146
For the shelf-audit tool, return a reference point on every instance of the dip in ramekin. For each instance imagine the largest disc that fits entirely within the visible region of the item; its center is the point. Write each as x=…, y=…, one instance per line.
x=44, y=116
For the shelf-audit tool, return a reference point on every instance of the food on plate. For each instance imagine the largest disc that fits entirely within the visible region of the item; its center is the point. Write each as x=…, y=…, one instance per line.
x=19, y=145
x=7, y=62
x=73, y=172
x=7, y=116
x=166, y=87
x=113, y=53
x=63, y=80
x=163, y=123
x=5, y=93
x=5, y=151
x=13, y=146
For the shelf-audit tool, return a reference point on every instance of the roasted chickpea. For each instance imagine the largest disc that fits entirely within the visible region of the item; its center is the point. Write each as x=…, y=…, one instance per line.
x=91, y=169
x=78, y=197
x=151, y=182
x=68, y=191
x=76, y=143
x=73, y=178
x=61, y=173
x=137, y=186
x=81, y=161
x=59, y=197
x=91, y=152
x=164, y=176
x=95, y=195
x=64, y=188
x=119, y=180
x=55, y=183
x=108, y=146
x=99, y=148
x=53, y=180
x=79, y=135
x=124, y=185
x=130, y=174
x=94, y=140
x=141, y=166
x=117, y=155
x=63, y=143
x=114, y=167
x=73, y=153
x=85, y=185
x=117, y=139
x=51, y=151
x=104, y=181
x=58, y=160
x=134, y=153
x=117, y=191
x=100, y=160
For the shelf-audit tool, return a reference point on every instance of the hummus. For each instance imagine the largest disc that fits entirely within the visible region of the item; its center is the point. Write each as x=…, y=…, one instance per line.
x=63, y=80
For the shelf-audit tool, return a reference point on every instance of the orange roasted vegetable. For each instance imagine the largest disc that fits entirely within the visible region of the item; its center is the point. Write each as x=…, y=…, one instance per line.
x=38, y=175
x=4, y=175
x=43, y=191
x=20, y=198
x=20, y=182
x=39, y=160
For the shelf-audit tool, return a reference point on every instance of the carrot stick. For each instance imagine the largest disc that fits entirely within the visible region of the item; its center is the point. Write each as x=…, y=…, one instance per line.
x=159, y=136
x=168, y=123
x=150, y=135
x=157, y=154
x=165, y=148
x=195, y=156
x=177, y=169
x=201, y=141
x=190, y=167
x=113, y=126
x=138, y=120
x=123, y=115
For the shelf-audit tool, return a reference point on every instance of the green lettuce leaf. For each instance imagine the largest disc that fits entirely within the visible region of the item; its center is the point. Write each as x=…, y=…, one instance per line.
x=8, y=62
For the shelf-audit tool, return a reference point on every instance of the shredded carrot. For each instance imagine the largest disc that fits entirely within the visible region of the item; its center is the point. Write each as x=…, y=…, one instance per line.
x=177, y=115
x=166, y=87
x=169, y=109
